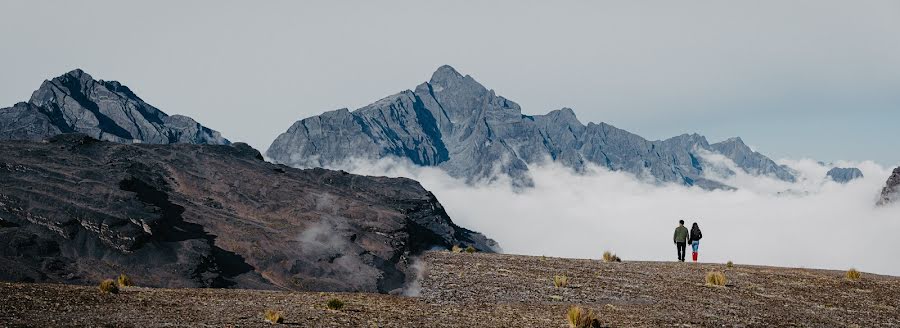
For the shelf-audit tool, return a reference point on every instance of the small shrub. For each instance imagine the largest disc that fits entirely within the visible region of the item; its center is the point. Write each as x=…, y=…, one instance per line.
x=334, y=304
x=715, y=278
x=729, y=264
x=560, y=281
x=470, y=249
x=610, y=257
x=853, y=274
x=124, y=280
x=109, y=286
x=273, y=317
x=456, y=249
x=581, y=318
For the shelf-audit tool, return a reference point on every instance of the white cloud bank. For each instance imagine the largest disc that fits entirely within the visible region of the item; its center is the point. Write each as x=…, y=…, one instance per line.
x=813, y=223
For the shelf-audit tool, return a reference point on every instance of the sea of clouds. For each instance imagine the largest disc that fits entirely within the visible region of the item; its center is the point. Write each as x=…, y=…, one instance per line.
x=812, y=223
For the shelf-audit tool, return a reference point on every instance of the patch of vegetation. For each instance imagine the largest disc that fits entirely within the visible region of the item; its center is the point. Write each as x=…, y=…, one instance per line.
x=108, y=286
x=470, y=249
x=610, y=257
x=729, y=264
x=334, y=304
x=124, y=280
x=716, y=278
x=456, y=249
x=273, y=317
x=853, y=274
x=581, y=318
x=560, y=281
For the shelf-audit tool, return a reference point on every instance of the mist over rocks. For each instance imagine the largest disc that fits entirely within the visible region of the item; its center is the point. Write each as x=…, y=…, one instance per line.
x=104, y=110
x=891, y=191
x=454, y=123
x=74, y=209
x=844, y=174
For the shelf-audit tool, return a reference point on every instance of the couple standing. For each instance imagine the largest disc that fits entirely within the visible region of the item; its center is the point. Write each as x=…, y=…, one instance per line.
x=682, y=237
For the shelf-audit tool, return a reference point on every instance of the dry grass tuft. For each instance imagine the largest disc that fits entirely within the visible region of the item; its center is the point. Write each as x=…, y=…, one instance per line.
x=610, y=257
x=716, y=278
x=334, y=304
x=273, y=317
x=729, y=264
x=581, y=318
x=456, y=249
x=853, y=274
x=124, y=280
x=560, y=281
x=109, y=286
x=470, y=249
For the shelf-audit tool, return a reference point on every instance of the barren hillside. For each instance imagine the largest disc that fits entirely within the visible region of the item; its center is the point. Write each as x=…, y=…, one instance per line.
x=495, y=290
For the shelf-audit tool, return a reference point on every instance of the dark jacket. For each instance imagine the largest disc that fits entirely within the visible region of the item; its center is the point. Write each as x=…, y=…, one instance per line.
x=681, y=234
x=696, y=234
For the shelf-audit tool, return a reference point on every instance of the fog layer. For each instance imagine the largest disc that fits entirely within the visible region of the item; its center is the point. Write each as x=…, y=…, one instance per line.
x=813, y=223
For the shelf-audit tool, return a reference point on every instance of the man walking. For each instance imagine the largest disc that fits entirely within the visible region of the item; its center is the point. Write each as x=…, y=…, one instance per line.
x=681, y=238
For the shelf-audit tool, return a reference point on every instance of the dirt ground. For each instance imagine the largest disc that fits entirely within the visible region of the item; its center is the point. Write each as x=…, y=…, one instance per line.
x=494, y=290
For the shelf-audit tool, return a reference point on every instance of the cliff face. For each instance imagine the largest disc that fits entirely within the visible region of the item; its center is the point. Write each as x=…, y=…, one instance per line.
x=455, y=123
x=105, y=110
x=891, y=191
x=75, y=210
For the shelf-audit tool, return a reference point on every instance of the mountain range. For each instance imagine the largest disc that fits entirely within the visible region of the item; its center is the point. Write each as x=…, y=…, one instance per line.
x=454, y=123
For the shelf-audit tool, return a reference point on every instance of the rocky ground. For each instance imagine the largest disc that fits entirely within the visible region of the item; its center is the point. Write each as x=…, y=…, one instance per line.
x=494, y=290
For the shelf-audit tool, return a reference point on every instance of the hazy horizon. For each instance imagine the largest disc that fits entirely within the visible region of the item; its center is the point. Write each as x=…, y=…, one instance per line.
x=794, y=80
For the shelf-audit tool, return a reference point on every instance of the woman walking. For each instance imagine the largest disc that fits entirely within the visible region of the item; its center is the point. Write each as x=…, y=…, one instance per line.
x=695, y=239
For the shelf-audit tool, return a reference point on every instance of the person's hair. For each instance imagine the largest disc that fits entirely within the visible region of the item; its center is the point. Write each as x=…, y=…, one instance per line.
x=680, y=221
x=696, y=226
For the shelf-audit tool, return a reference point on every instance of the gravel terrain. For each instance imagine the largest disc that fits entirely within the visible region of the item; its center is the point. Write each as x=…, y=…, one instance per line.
x=494, y=290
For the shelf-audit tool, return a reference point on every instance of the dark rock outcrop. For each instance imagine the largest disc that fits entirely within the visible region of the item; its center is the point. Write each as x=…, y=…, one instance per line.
x=105, y=110
x=455, y=123
x=891, y=191
x=844, y=174
x=75, y=210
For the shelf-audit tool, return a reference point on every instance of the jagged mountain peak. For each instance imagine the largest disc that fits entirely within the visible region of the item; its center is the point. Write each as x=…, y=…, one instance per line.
x=105, y=110
x=445, y=73
x=457, y=124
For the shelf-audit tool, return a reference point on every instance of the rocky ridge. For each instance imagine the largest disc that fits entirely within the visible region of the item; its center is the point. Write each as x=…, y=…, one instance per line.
x=104, y=110
x=891, y=191
x=454, y=123
x=75, y=210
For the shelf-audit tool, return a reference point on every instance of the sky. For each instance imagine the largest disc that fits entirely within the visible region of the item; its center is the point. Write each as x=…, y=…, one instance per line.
x=795, y=79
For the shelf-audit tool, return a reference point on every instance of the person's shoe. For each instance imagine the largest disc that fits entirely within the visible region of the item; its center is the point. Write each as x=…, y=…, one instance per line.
x=694, y=254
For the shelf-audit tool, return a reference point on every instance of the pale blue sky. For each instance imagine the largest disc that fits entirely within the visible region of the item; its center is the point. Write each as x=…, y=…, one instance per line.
x=818, y=79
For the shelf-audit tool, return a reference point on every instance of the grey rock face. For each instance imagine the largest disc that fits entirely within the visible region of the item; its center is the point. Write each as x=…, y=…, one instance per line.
x=751, y=161
x=106, y=110
x=891, y=191
x=844, y=175
x=455, y=123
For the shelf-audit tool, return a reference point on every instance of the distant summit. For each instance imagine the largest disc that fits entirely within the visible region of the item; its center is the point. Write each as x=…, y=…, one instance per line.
x=105, y=110
x=455, y=123
x=891, y=191
x=844, y=174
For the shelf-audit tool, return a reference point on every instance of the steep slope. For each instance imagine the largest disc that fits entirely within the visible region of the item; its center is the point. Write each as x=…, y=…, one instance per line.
x=844, y=174
x=455, y=123
x=891, y=191
x=105, y=110
x=76, y=210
